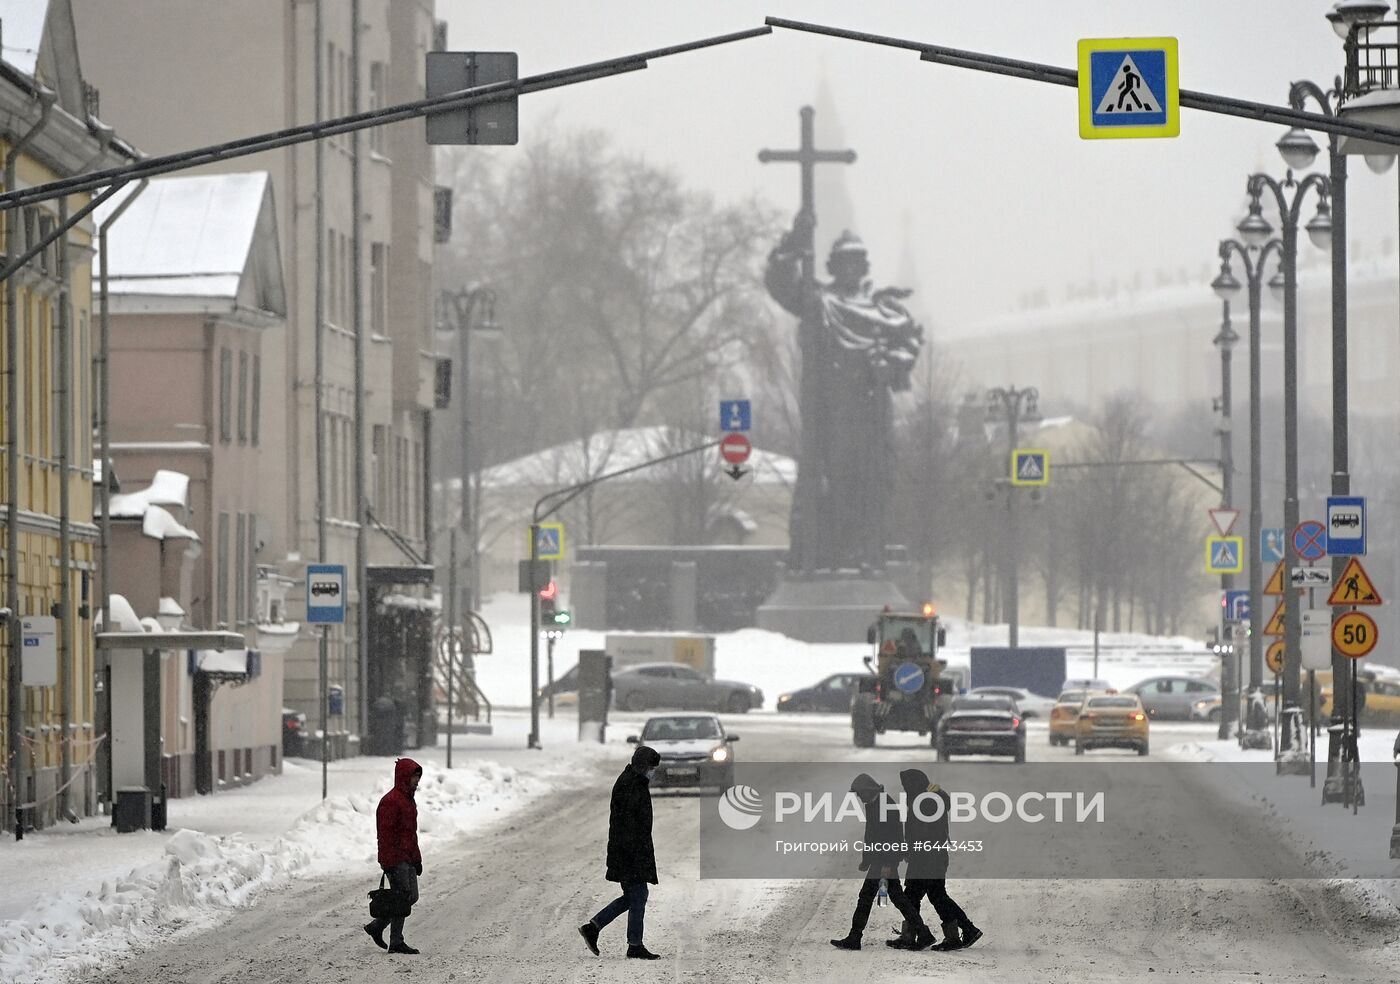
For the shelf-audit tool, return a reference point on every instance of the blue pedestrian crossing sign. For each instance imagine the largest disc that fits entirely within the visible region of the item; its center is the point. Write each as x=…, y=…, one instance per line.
x=735, y=416
x=1030, y=466
x=1224, y=554
x=1271, y=544
x=1128, y=87
x=549, y=541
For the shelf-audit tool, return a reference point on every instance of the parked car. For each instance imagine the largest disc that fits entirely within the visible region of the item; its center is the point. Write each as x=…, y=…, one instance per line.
x=695, y=750
x=1207, y=708
x=832, y=694
x=1065, y=714
x=1172, y=696
x=564, y=689
x=649, y=685
x=981, y=726
x=1030, y=705
x=293, y=733
x=1111, y=721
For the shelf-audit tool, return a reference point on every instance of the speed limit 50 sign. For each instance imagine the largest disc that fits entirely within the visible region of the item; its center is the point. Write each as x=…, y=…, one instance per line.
x=1354, y=634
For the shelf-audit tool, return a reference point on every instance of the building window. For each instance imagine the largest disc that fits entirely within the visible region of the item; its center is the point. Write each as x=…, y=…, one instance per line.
x=242, y=397
x=250, y=571
x=376, y=101
x=330, y=70
x=379, y=468
x=225, y=395
x=332, y=287
x=221, y=573
x=257, y=398
x=378, y=287
x=347, y=288
x=240, y=579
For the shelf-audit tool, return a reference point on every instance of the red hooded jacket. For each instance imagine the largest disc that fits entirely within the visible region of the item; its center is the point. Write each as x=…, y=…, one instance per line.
x=397, y=818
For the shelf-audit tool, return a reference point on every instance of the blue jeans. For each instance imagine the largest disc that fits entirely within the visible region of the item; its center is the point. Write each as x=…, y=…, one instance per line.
x=633, y=901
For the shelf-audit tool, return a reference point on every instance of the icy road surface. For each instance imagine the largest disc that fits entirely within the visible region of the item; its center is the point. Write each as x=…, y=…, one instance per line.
x=502, y=906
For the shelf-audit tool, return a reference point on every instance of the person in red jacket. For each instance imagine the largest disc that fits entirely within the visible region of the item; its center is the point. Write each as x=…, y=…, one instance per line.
x=397, y=823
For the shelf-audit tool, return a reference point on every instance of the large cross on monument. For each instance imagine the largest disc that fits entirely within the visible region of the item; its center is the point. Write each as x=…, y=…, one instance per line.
x=808, y=157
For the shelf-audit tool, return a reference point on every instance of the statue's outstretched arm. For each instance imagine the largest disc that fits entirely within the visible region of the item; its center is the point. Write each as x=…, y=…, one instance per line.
x=783, y=277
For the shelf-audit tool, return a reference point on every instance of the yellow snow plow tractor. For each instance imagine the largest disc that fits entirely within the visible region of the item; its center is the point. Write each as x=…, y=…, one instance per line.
x=906, y=690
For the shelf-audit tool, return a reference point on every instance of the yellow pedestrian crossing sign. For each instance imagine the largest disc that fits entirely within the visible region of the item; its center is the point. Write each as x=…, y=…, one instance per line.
x=1224, y=554
x=1030, y=466
x=548, y=542
x=1128, y=87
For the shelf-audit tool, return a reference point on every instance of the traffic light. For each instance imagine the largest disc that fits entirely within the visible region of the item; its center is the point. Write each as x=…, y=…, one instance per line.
x=562, y=618
x=548, y=594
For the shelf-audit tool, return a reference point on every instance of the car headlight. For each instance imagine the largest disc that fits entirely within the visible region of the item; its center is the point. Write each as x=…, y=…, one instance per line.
x=784, y=698
x=1201, y=705
x=720, y=754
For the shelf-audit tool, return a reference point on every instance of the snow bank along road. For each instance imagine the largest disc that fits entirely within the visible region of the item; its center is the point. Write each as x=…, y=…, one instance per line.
x=502, y=906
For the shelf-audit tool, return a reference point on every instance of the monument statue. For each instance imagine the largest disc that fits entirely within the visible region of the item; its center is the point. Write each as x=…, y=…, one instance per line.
x=858, y=346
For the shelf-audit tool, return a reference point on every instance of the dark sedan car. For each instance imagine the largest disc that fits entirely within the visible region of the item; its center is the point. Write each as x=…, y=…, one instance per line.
x=982, y=726
x=832, y=694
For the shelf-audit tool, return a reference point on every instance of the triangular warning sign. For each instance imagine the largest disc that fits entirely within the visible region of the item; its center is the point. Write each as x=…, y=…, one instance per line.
x=1029, y=469
x=1354, y=587
x=1128, y=92
x=1275, y=626
x=1275, y=585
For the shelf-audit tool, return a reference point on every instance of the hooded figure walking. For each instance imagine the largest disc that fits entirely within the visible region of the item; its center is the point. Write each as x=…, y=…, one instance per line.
x=927, y=871
x=883, y=851
x=631, y=856
x=397, y=822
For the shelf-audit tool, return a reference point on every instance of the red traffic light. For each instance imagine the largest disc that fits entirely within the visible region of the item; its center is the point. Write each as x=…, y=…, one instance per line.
x=550, y=591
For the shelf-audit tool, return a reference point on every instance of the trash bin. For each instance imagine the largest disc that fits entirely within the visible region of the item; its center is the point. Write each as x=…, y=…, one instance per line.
x=386, y=727
x=133, y=809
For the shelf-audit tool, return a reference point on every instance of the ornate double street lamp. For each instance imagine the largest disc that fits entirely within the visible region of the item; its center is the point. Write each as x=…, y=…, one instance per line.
x=1254, y=251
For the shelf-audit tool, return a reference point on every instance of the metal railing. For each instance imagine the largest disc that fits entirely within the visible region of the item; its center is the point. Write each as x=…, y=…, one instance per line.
x=1373, y=58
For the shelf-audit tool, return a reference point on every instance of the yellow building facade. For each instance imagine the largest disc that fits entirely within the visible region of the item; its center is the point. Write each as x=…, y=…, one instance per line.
x=47, y=340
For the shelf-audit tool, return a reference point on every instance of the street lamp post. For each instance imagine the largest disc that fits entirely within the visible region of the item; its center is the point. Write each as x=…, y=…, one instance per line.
x=1014, y=406
x=463, y=304
x=1226, y=340
x=1253, y=252
x=1291, y=756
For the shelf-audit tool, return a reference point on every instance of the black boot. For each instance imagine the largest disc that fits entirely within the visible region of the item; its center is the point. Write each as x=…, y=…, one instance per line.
x=376, y=933
x=970, y=935
x=401, y=947
x=952, y=939
x=904, y=939
x=640, y=952
x=589, y=932
x=851, y=941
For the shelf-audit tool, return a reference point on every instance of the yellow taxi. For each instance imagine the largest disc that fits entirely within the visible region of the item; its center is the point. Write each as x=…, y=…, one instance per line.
x=1065, y=714
x=1111, y=721
x=1379, y=697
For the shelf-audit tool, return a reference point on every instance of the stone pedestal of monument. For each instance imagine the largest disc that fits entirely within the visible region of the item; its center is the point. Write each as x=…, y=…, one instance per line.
x=835, y=607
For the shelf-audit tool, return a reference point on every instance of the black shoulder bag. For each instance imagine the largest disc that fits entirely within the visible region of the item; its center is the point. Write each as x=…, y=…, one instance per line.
x=387, y=902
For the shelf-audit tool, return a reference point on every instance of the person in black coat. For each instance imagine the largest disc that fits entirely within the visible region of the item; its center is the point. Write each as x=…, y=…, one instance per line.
x=927, y=871
x=880, y=859
x=631, y=856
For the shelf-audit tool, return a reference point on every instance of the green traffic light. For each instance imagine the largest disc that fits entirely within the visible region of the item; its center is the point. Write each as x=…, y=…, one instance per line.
x=562, y=618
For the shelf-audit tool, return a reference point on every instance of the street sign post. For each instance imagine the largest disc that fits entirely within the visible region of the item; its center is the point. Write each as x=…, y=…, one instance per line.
x=1271, y=544
x=1311, y=577
x=1128, y=87
x=1354, y=587
x=735, y=415
x=1224, y=554
x=1354, y=634
x=735, y=449
x=39, y=645
x=1237, y=605
x=1030, y=466
x=1316, y=648
x=1274, y=586
x=325, y=594
x=1310, y=540
x=1346, y=525
x=1275, y=626
x=1273, y=657
x=1224, y=520
x=549, y=541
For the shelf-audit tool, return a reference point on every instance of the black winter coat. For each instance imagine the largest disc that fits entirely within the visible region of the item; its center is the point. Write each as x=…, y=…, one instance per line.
x=882, y=838
x=631, y=857
x=917, y=831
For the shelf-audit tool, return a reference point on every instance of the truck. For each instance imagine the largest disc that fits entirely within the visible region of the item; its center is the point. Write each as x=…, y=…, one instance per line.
x=906, y=689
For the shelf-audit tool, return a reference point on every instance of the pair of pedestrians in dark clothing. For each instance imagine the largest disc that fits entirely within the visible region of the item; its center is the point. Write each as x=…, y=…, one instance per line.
x=925, y=876
x=631, y=855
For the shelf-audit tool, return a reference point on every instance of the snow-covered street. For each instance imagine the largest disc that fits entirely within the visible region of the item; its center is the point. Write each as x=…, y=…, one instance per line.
x=513, y=863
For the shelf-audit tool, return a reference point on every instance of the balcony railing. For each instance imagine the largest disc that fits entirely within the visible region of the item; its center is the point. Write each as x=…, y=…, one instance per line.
x=1373, y=59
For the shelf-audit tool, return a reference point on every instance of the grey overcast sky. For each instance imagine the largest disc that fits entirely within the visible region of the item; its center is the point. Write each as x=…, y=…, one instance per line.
x=985, y=178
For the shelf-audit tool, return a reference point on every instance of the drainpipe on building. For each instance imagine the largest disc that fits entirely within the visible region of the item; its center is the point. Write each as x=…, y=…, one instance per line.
x=102, y=708
x=15, y=704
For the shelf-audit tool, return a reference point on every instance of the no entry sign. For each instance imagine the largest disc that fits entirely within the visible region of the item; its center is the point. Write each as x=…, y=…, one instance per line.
x=735, y=449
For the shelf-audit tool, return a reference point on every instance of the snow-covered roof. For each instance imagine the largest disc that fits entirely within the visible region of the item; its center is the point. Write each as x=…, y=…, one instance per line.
x=609, y=451
x=167, y=488
x=196, y=237
x=22, y=31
